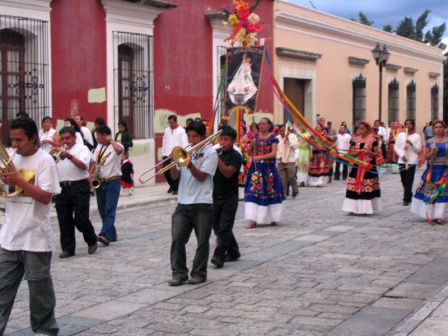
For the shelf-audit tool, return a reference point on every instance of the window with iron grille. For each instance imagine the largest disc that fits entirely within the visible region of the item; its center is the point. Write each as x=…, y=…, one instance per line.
x=394, y=100
x=410, y=100
x=133, y=78
x=24, y=71
x=435, y=102
x=359, y=99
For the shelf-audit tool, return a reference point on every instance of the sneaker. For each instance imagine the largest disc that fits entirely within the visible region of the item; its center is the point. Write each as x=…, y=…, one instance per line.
x=174, y=192
x=196, y=280
x=92, y=249
x=131, y=191
x=217, y=261
x=177, y=281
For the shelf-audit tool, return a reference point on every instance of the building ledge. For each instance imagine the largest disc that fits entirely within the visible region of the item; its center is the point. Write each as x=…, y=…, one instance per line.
x=154, y=3
x=434, y=74
x=297, y=54
x=410, y=71
x=357, y=61
x=393, y=67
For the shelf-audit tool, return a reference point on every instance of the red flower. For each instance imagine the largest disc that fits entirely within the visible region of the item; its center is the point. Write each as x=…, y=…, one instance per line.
x=243, y=13
x=254, y=27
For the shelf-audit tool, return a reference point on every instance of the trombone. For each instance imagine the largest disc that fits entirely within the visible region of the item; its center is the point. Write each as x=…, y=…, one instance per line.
x=180, y=156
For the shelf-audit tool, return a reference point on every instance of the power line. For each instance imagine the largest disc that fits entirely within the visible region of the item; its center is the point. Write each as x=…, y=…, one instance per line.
x=313, y=5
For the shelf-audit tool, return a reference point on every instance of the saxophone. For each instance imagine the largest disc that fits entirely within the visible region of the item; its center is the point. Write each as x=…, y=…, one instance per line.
x=96, y=174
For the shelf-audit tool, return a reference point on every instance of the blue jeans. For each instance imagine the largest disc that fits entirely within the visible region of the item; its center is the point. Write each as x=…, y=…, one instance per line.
x=36, y=268
x=107, y=199
x=186, y=218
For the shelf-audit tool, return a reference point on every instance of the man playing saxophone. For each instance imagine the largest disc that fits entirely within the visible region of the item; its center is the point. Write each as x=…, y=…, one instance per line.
x=73, y=203
x=108, y=191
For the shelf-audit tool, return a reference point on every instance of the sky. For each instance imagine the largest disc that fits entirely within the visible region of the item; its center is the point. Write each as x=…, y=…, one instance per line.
x=383, y=12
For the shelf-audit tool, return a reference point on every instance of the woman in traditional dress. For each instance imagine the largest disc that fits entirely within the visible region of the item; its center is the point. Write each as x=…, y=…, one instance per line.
x=363, y=194
x=436, y=153
x=319, y=167
x=263, y=194
x=303, y=165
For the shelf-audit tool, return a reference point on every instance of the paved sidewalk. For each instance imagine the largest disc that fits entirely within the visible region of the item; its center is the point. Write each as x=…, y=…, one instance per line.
x=319, y=272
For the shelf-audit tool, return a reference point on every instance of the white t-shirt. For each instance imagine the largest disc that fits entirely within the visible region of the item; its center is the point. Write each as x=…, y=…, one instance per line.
x=87, y=135
x=46, y=136
x=112, y=165
x=172, y=138
x=27, y=221
x=67, y=169
x=343, y=143
x=412, y=151
x=191, y=191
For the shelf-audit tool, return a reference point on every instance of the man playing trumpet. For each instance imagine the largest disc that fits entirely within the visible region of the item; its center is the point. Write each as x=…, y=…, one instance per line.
x=26, y=238
x=73, y=203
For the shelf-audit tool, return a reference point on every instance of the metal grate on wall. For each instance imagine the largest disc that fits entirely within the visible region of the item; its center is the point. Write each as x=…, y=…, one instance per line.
x=133, y=83
x=24, y=69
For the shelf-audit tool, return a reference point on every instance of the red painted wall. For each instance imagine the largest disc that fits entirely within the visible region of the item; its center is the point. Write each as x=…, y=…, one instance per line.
x=78, y=34
x=183, y=57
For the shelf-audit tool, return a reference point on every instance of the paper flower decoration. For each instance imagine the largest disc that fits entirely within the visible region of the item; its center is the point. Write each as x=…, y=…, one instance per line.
x=245, y=25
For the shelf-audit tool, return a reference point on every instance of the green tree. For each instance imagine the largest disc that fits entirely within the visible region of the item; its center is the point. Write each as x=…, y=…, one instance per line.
x=406, y=28
x=362, y=18
x=388, y=28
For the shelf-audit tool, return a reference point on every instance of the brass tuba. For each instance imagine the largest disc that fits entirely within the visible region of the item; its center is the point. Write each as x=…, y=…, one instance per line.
x=180, y=156
x=96, y=182
x=6, y=165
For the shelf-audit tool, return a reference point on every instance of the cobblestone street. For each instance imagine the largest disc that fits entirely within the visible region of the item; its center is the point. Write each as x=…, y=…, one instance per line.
x=319, y=272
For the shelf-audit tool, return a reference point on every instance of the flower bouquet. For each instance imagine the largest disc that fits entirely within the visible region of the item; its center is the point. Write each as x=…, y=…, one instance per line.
x=245, y=25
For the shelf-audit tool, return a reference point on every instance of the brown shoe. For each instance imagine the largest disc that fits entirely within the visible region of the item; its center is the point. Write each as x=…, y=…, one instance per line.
x=177, y=281
x=196, y=280
x=103, y=240
x=66, y=254
x=92, y=249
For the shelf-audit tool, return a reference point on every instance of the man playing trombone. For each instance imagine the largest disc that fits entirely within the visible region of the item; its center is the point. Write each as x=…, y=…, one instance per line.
x=73, y=203
x=107, y=165
x=194, y=210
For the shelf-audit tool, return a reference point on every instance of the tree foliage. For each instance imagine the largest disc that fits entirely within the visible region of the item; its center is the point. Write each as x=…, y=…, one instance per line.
x=362, y=18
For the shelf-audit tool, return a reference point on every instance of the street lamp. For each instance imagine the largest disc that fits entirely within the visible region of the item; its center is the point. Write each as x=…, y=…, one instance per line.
x=381, y=56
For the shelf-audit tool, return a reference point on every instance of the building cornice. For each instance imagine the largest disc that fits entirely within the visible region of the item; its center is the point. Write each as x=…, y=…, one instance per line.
x=434, y=74
x=393, y=67
x=409, y=71
x=297, y=54
x=35, y=5
x=352, y=60
x=134, y=14
x=353, y=35
x=218, y=22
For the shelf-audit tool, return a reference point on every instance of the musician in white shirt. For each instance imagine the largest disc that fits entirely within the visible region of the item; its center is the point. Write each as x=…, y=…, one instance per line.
x=286, y=159
x=407, y=146
x=48, y=135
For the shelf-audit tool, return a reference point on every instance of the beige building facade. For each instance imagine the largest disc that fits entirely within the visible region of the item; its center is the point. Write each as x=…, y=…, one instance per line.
x=324, y=64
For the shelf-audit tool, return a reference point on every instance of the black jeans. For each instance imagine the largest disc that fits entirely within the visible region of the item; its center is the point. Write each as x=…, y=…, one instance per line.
x=407, y=179
x=224, y=212
x=337, y=173
x=185, y=219
x=174, y=184
x=72, y=207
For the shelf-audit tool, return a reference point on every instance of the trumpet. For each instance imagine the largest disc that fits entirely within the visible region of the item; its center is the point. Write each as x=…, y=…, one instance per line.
x=180, y=157
x=6, y=165
x=96, y=182
x=57, y=155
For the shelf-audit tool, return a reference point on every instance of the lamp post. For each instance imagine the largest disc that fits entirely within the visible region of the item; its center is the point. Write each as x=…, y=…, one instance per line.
x=381, y=56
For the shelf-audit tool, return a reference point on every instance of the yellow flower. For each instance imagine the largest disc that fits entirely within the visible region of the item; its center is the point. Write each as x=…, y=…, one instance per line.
x=233, y=19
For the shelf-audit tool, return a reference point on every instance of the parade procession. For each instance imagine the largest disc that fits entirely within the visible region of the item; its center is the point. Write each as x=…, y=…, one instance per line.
x=226, y=168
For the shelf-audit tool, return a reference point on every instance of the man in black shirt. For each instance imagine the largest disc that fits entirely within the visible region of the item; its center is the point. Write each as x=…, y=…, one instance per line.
x=225, y=198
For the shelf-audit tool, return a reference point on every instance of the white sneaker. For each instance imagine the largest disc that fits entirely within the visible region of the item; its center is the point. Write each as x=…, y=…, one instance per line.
x=131, y=191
